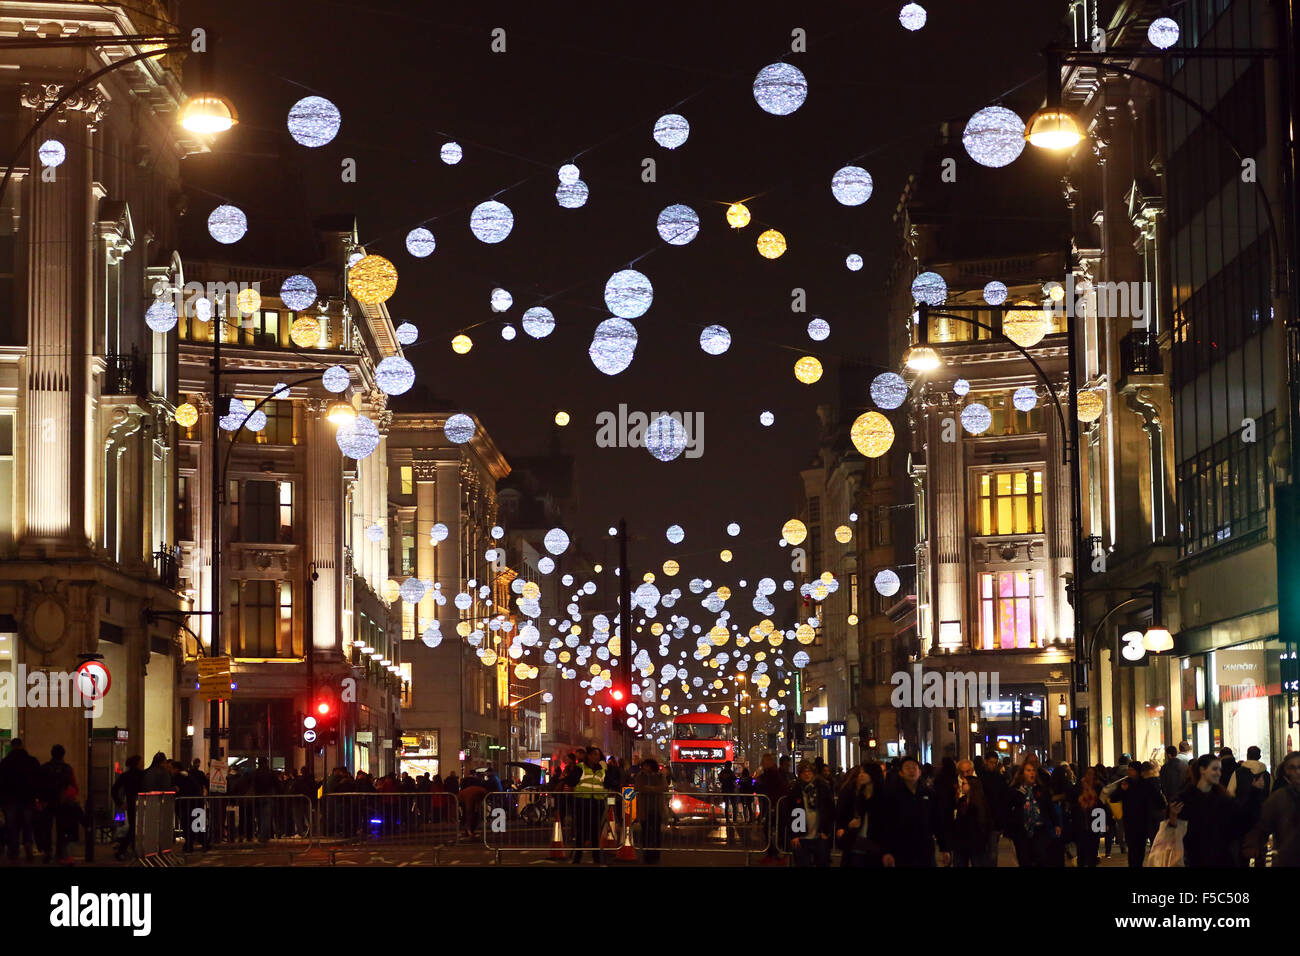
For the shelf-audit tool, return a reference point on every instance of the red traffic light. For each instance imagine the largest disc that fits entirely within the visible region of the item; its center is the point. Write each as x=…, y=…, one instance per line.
x=323, y=708
x=616, y=694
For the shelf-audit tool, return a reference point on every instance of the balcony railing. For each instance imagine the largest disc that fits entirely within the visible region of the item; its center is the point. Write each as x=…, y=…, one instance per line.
x=124, y=374
x=1139, y=354
x=167, y=564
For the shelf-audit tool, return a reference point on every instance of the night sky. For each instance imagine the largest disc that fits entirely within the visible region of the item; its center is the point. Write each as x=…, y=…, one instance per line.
x=585, y=83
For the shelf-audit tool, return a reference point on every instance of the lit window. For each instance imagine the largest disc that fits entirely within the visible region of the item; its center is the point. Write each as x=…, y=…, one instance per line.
x=1013, y=609
x=408, y=480
x=1010, y=502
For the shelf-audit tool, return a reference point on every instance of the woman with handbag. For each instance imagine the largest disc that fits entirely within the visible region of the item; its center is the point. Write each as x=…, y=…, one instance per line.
x=858, y=818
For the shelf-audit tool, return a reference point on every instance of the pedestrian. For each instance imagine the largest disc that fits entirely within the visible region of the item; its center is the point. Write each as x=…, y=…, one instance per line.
x=912, y=825
x=19, y=778
x=1247, y=771
x=772, y=784
x=1280, y=818
x=589, y=795
x=56, y=798
x=965, y=812
x=451, y=784
x=1174, y=775
x=126, y=793
x=745, y=794
x=727, y=784
x=1214, y=819
x=651, y=808
x=1141, y=804
x=304, y=787
x=1035, y=821
x=810, y=817
x=997, y=794
x=1087, y=819
x=859, y=817
x=158, y=777
x=1229, y=765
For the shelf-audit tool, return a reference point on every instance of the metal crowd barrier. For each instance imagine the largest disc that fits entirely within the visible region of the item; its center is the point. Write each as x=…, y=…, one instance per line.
x=556, y=823
x=155, y=828
x=703, y=822
x=388, y=819
x=245, y=821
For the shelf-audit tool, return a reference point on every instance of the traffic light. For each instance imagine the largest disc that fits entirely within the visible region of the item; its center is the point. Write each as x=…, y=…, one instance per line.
x=325, y=716
x=624, y=709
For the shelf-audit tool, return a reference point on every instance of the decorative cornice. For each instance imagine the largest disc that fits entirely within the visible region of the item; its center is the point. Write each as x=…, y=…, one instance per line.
x=42, y=96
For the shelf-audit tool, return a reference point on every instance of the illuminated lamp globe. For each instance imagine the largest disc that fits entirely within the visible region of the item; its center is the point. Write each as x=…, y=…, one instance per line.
x=451, y=153
x=1157, y=639
x=248, y=301
x=298, y=292
x=1089, y=405
x=675, y=534
x=394, y=375
x=819, y=329
x=51, y=153
x=203, y=309
x=628, y=294
x=335, y=378
x=853, y=261
x=994, y=137
x=459, y=428
x=805, y=634
x=1163, y=33
x=800, y=659
x=392, y=591
x=976, y=418
x=462, y=344
x=960, y=387
x=851, y=186
x=725, y=556
x=420, y=242
x=538, y=322
x=491, y=221
x=375, y=532
x=766, y=419
x=671, y=130
x=843, y=534
x=912, y=16
x=929, y=287
x=314, y=121
x=794, y=531
x=227, y=224
x=501, y=300
x=569, y=173
x=737, y=215
x=613, y=346
x=715, y=339
x=1025, y=325
x=887, y=583
x=872, y=434
x=561, y=418
x=161, y=316
x=186, y=415
x=438, y=532
x=358, y=438
x=340, y=413
x=432, y=635
x=888, y=390
x=372, y=280
x=1053, y=128
x=305, y=332
x=208, y=113
x=921, y=358
x=671, y=568
x=412, y=590
x=771, y=244
x=853, y=620
x=665, y=438
x=556, y=541
x=808, y=370
x=678, y=224
x=406, y=334
x=780, y=89
x=572, y=195
x=995, y=293
x=1024, y=399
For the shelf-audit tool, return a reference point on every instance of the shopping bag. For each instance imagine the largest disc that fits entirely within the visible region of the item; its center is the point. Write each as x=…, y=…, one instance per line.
x=1167, y=847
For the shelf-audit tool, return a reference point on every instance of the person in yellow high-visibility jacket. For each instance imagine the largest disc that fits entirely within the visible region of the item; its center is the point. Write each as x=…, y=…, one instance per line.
x=589, y=796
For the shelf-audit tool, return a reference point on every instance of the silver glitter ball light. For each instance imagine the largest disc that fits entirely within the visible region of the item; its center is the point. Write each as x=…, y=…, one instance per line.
x=491, y=221
x=780, y=89
x=994, y=137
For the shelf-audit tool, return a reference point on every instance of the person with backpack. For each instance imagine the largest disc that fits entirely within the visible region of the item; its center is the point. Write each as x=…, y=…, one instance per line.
x=1280, y=818
x=56, y=798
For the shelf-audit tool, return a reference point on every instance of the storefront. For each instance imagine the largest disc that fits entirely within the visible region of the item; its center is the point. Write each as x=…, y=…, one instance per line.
x=420, y=753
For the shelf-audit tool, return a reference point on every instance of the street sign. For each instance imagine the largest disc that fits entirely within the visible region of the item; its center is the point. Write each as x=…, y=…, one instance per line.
x=216, y=777
x=214, y=678
x=629, y=793
x=833, y=729
x=93, y=680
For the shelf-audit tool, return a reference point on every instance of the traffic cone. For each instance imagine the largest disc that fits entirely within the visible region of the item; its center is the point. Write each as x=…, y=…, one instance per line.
x=608, y=838
x=557, y=841
x=626, y=851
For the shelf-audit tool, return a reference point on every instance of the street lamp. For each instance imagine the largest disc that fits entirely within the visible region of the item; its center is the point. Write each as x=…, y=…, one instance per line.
x=208, y=113
x=340, y=413
x=921, y=358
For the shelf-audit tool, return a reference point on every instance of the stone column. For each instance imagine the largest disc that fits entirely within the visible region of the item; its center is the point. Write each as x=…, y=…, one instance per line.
x=1056, y=522
x=323, y=513
x=948, y=507
x=424, y=471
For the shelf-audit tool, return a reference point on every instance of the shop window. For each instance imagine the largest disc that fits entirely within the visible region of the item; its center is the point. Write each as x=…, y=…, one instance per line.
x=1010, y=502
x=1013, y=609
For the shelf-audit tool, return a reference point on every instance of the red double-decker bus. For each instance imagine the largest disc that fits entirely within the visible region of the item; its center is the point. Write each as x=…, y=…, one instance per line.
x=701, y=744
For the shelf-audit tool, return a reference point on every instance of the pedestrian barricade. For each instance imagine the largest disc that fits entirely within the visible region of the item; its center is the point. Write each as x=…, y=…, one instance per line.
x=555, y=823
x=790, y=822
x=155, y=828
x=703, y=823
x=246, y=821
x=388, y=819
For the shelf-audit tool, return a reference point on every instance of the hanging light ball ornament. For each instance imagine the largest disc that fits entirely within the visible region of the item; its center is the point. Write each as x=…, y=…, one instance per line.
x=569, y=173
x=808, y=370
x=995, y=293
x=853, y=262
x=412, y=590
x=715, y=339
x=976, y=418
x=1089, y=405
x=406, y=334
x=780, y=89
x=887, y=583
x=613, y=346
x=248, y=301
x=451, y=153
x=771, y=244
x=960, y=387
x=665, y=438
x=561, y=418
x=912, y=16
x=556, y=541
x=372, y=280
x=335, y=378
x=161, y=316
x=459, y=428
x=420, y=242
x=819, y=329
x=538, y=322
x=501, y=300
x=394, y=375
x=186, y=415
x=678, y=224
x=358, y=438
x=1025, y=398
x=227, y=224
x=491, y=221
x=1163, y=33
x=305, y=332
x=1025, y=325
x=766, y=419
x=375, y=532
x=508, y=332
x=930, y=288
x=872, y=434
x=994, y=137
x=51, y=153
x=628, y=294
x=843, y=534
x=314, y=121
x=675, y=534
x=794, y=532
x=851, y=186
x=671, y=130
x=737, y=215
x=203, y=309
x=298, y=292
x=888, y=390
x=461, y=344
x=572, y=195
